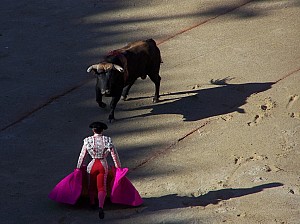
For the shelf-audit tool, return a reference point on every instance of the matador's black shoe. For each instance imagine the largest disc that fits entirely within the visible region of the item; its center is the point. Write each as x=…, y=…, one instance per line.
x=101, y=213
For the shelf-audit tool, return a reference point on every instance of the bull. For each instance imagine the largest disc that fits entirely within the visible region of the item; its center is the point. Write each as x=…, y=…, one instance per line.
x=120, y=68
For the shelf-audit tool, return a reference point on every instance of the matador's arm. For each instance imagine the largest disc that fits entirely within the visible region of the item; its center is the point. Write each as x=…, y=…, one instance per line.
x=115, y=156
x=81, y=156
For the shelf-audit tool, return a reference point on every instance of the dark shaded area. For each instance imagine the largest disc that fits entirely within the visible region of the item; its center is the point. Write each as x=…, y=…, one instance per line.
x=205, y=103
x=213, y=197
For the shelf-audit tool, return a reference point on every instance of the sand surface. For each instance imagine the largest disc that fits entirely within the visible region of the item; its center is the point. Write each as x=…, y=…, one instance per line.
x=221, y=146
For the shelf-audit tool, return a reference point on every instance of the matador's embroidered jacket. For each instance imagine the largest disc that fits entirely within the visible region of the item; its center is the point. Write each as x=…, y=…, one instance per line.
x=98, y=147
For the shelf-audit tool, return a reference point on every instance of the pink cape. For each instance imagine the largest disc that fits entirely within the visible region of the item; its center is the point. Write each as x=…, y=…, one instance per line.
x=123, y=192
x=68, y=190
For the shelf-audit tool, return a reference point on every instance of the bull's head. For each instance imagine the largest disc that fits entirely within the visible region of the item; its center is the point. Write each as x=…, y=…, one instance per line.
x=104, y=72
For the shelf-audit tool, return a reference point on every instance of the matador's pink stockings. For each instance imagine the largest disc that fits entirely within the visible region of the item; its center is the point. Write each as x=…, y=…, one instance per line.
x=101, y=198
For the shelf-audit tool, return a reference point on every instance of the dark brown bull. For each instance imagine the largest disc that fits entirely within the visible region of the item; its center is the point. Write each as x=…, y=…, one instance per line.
x=119, y=69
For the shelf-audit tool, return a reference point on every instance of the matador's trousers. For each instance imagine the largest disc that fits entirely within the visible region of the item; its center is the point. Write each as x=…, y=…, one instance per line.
x=97, y=184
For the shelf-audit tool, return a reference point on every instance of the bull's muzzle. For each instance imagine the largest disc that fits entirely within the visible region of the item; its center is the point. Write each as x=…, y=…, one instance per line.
x=105, y=92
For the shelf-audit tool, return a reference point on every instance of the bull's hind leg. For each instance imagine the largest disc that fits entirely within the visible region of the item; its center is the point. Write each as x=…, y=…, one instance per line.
x=156, y=79
x=113, y=104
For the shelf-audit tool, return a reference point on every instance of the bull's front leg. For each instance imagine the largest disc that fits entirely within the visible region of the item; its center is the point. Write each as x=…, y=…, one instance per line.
x=113, y=104
x=126, y=91
x=99, y=98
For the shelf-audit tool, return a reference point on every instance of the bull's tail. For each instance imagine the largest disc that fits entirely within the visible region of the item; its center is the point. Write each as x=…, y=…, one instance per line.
x=151, y=41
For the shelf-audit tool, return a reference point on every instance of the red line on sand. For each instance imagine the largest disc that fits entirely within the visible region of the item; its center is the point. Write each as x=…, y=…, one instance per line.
x=201, y=23
x=287, y=75
x=167, y=149
x=52, y=99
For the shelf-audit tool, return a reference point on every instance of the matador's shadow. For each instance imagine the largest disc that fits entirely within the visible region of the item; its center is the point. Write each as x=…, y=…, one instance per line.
x=205, y=103
x=213, y=197
x=174, y=201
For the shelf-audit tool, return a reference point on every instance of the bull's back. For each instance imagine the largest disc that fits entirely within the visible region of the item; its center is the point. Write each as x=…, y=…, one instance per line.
x=143, y=57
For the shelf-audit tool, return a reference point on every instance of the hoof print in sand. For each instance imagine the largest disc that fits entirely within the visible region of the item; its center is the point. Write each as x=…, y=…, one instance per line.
x=268, y=105
x=292, y=100
x=294, y=190
x=256, y=120
x=290, y=104
x=295, y=115
x=264, y=111
x=226, y=117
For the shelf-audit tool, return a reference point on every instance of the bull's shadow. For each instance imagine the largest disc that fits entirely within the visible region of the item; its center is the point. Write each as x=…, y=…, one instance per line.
x=195, y=105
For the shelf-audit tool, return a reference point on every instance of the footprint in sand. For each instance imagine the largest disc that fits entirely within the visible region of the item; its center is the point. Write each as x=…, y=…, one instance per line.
x=227, y=117
x=254, y=167
x=288, y=142
x=295, y=115
x=268, y=104
x=240, y=160
x=294, y=190
x=256, y=120
x=292, y=100
x=264, y=111
x=290, y=104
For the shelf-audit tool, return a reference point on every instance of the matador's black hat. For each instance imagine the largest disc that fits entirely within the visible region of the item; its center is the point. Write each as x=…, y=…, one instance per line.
x=98, y=125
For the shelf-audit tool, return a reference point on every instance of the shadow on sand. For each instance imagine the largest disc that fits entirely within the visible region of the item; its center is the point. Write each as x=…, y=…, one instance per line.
x=212, y=197
x=199, y=104
x=174, y=201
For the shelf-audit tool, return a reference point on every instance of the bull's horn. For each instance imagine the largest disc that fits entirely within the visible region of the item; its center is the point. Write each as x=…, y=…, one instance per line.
x=91, y=68
x=119, y=68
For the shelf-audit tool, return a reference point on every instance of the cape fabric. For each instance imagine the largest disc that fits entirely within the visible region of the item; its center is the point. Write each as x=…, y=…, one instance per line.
x=74, y=185
x=123, y=192
x=68, y=190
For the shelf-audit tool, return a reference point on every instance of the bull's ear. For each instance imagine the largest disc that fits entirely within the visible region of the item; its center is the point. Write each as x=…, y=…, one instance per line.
x=119, y=68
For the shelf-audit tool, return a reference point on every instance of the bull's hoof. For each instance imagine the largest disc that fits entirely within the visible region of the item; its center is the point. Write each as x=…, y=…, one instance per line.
x=124, y=98
x=155, y=100
x=102, y=105
x=111, y=119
